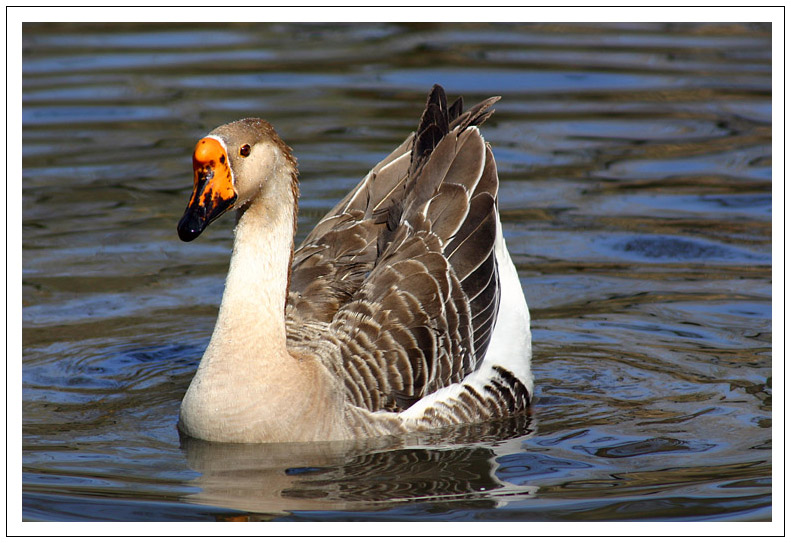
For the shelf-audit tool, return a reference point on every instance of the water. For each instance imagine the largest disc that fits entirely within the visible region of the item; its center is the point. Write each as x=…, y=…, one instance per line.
x=635, y=162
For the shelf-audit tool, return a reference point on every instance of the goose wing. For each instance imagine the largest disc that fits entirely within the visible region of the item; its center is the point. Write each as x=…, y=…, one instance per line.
x=403, y=270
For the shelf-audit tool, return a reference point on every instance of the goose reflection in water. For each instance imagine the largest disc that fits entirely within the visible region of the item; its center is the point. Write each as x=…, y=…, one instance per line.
x=363, y=475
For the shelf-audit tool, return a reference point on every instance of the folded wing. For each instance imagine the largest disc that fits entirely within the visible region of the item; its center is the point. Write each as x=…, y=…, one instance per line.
x=402, y=273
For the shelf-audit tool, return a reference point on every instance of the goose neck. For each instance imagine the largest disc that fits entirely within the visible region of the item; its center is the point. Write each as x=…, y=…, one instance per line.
x=253, y=306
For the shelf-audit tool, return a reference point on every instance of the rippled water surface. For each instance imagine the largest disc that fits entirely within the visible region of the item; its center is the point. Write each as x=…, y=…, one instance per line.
x=635, y=162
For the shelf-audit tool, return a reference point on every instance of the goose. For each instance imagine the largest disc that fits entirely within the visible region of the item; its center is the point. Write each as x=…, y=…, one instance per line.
x=400, y=312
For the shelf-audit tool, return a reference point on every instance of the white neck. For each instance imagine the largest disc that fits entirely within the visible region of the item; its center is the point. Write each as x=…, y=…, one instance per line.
x=252, y=313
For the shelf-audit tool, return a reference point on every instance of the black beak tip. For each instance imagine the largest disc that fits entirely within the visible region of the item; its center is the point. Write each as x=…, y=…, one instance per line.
x=188, y=235
x=197, y=218
x=189, y=229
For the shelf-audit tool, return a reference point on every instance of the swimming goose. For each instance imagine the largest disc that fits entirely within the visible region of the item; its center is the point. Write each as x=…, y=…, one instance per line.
x=401, y=311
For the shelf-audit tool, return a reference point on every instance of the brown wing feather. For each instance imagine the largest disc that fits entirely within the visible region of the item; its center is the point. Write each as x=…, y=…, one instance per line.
x=402, y=270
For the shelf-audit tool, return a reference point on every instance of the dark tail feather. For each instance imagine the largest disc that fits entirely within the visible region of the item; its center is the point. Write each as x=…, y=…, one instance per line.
x=434, y=124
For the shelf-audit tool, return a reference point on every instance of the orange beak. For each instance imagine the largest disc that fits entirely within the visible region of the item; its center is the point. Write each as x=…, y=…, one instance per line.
x=212, y=193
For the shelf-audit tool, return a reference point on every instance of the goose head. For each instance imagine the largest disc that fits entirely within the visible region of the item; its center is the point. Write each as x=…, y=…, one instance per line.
x=233, y=165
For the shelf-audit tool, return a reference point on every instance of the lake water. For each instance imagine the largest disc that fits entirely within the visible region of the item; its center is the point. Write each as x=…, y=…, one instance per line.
x=636, y=197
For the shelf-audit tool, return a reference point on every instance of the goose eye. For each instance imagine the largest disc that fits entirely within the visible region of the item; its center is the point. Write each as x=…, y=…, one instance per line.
x=244, y=150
